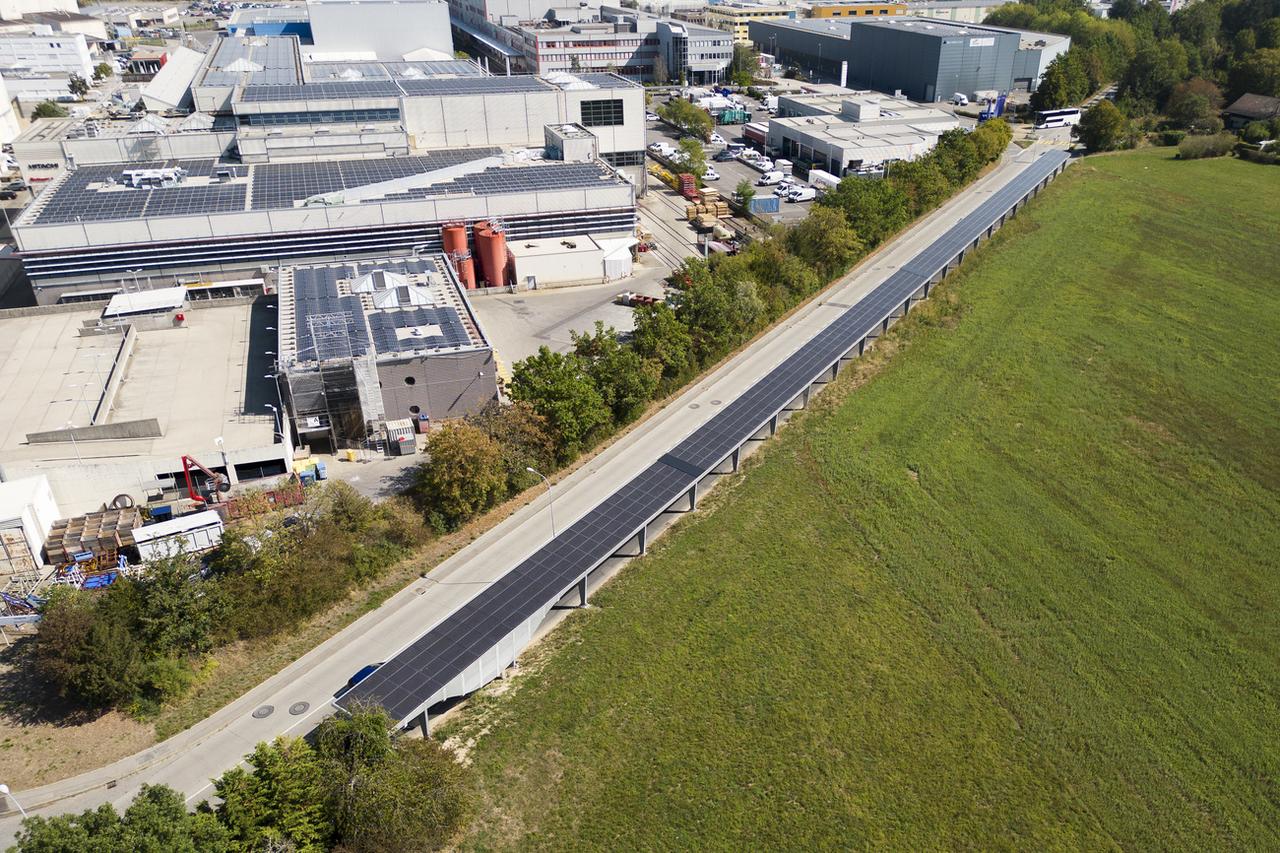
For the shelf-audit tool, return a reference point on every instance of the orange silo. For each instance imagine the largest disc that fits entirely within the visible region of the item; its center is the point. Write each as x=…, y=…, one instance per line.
x=491, y=248
x=466, y=268
x=454, y=235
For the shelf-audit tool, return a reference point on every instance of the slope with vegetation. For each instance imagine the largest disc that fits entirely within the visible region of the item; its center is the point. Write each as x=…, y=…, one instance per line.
x=1016, y=590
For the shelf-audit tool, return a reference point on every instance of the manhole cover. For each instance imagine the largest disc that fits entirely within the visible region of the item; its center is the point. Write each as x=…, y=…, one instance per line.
x=694, y=405
x=264, y=712
x=715, y=402
x=299, y=708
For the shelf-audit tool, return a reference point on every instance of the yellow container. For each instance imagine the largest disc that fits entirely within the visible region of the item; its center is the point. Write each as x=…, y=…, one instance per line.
x=351, y=455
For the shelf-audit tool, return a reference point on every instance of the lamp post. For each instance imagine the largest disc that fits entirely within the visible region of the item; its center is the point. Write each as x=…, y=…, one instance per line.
x=71, y=433
x=551, y=504
x=4, y=789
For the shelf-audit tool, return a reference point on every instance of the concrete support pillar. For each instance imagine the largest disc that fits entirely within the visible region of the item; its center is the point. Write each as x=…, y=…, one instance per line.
x=862, y=346
x=773, y=425
x=582, y=592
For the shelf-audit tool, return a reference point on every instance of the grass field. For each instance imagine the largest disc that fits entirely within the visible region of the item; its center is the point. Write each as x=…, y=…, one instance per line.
x=1017, y=590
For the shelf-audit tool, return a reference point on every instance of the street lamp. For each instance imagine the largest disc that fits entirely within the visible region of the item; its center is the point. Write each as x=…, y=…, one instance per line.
x=551, y=505
x=4, y=789
x=276, y=416
x=71, y=432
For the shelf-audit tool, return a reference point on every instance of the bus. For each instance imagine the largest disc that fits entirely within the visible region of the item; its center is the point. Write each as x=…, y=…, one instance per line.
x=1057, y=118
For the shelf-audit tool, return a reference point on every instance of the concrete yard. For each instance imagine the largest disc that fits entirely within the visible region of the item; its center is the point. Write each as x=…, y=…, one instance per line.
x=205, y=380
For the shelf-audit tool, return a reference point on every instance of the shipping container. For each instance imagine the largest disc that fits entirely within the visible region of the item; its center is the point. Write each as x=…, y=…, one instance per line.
x=764, y=204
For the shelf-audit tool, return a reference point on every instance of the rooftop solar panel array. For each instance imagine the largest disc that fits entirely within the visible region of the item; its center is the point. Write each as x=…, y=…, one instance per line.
x=497, y=181
x=426, y=666
x=322, y=91
x=277, y=185
x=315, y=292
x=74, y=201
x=256, y=62
x=384, y=326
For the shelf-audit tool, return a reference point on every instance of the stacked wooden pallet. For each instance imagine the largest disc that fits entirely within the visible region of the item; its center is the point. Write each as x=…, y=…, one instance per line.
x=100, y=533
x=718, y=209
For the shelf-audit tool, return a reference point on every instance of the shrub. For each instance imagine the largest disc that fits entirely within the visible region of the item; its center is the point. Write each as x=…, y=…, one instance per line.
x=1198, y=147
x=1172, y=138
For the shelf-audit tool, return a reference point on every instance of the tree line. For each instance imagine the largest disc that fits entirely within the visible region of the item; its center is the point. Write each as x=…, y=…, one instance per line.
x=566, y=403
x=352, y=786
x=1173, y=72
x=143, y=640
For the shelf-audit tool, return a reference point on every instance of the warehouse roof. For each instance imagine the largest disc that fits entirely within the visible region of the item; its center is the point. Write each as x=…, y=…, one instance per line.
x=252, y=61
x=389, y=308
x=196, y=187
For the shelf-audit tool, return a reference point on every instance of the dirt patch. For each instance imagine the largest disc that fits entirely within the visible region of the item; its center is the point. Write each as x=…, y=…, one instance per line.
x=44, y=739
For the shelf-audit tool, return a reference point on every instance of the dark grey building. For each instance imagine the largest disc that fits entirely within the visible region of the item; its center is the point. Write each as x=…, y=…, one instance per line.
x=927, y=59
x=375, y=341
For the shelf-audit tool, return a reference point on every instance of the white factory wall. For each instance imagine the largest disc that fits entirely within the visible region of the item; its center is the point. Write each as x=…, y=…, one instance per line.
x=51, y=52
x=13, y=10
x=550, y=262
x=30, y=502
x=388, y=28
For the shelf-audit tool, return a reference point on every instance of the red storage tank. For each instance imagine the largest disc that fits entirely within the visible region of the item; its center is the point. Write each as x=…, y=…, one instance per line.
x=491, y=247
x=454, y=235
x=482, y=236
x=466, y=271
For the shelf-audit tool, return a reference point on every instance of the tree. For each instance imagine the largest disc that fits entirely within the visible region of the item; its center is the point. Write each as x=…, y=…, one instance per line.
x=179, y=613
x=744, y=64
x=389, y=795
x=1258, y=73
x=87, y=657
x=463, y=476
x=77, y=85
x=957, y=156
x=687, y=117
x=875, y=209
x=281, y=803
x=661, y=338
x=523, y=435
x=1256, y=131
x=156, y=821
x=661, y=75
x=1195, y=104
x=559, y=388
x=1154, y=70
x=102, y=71
x=691, y=156
x=1102, y=127
x=1056, y=86
x=824, y=240
x=48, y=109
x=922, y=182
x=625, y=380
x=745, y=192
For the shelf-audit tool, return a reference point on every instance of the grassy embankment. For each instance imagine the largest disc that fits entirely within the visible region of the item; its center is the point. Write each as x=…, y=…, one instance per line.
x=1018, y=589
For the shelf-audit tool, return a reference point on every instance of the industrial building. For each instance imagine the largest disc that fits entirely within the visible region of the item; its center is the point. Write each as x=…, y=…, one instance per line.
x=857, y=9
x=854, y=132
x=201, y=221
x=106, y=401
x=45, y=52
x=733, y=16
x=629, y=42
x=925, y=59
x=14, y=10
x=384, y=340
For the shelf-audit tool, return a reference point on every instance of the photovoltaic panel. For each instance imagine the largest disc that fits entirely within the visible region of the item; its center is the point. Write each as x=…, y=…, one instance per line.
x=425, y=666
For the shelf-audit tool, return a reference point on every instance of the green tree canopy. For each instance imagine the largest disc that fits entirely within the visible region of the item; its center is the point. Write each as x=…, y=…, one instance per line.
x=523, y=435
x=157, y=821
x=560, y=389
x=687, y=117
x=1102, y=127
x=626, y=381
x=464, y=474
x=48, y=109
x=660, y=337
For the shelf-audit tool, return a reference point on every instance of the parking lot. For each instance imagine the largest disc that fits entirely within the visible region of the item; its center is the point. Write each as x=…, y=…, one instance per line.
x=731, y=172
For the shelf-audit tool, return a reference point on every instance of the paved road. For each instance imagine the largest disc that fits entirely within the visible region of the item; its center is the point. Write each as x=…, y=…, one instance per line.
x=188, y=760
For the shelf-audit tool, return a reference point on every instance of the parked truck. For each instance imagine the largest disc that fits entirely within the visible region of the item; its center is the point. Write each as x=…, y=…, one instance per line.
x=821, y=180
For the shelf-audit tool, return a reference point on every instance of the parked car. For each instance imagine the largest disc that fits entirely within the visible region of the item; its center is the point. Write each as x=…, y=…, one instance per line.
x=724, y=156
x=769, y=179
x=662, y=149
x=650, y=116
x=8, y=195
x=801, y=194
x=17, y=186
x=717, y=139
x=710, y=175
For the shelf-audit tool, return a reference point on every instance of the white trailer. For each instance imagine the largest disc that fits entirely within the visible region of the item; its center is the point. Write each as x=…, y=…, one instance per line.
x=187, y=534
x=823, y=180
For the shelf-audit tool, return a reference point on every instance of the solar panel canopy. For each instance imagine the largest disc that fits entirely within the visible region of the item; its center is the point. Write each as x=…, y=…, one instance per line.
x=424, y=668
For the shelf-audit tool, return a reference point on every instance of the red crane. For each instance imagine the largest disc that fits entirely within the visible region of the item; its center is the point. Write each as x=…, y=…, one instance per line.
x=220, y=483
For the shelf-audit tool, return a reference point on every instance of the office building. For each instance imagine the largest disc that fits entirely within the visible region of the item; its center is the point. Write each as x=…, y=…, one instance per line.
x=733, y=17
x=857, y=10
x=45, y=52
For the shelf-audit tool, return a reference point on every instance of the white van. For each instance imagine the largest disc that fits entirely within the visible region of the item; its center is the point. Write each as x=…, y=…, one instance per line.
x=802, y=194
x=768, y=179
x=783, y=166
x=960, y=100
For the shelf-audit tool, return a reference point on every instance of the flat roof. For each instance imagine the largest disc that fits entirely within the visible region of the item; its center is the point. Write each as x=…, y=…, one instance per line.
x=326, y=71
x=252, y=61
x=199, y=381
x=100, y=193
x=938, y=27
x=369, y=79
x=390, y=308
